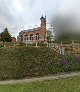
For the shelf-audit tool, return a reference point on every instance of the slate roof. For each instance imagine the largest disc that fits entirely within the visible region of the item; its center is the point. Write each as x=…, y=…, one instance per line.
x=31, y=30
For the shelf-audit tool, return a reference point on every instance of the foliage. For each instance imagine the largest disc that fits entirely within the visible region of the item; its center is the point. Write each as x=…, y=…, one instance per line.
x=73, y=62
x=49, y=36
x=21, y=62
x=5, y=36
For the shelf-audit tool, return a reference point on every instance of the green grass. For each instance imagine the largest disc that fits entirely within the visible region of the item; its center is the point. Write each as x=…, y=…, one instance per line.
x=61, y=85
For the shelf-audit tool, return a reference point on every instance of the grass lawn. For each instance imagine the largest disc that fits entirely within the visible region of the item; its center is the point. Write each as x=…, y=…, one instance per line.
x=62, y=85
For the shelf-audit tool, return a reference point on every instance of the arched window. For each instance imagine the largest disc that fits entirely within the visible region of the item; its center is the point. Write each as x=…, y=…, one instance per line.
x=31, y=37
x=37, y=36
x=21, y=37
x=26, y=37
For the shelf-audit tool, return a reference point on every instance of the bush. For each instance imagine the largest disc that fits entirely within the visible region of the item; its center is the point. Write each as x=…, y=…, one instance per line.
x=26, y=62
x=73, y=62
x=20, y=62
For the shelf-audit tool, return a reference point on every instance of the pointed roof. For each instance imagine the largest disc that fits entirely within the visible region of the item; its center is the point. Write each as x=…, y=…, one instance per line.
x=42, y=17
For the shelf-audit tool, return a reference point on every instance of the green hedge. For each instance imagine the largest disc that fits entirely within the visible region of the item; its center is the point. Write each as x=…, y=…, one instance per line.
x=38, y=44
x=26, y=62
x=10, y=44
x=22, y=62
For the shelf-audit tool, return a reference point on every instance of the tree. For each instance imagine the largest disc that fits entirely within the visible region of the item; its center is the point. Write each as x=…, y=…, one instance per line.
x=5, y=36
x=49, y=36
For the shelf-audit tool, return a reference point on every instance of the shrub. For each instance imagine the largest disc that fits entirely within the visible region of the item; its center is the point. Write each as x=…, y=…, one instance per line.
x=21, y=62
x=73, y=65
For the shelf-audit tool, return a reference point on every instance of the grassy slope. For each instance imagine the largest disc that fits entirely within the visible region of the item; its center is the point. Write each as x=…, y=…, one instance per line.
x=62, y=85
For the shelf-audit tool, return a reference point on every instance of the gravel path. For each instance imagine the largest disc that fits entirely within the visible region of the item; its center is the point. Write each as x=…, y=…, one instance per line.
x=74, y=74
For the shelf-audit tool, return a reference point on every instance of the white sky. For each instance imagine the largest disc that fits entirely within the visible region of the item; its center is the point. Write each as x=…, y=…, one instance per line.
x=25, y=13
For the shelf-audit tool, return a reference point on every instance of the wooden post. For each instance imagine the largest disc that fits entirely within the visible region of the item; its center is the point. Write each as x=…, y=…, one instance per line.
x=26, y=43
x=72, y=42
x=36, y=44
x=14, y=45
x=4, y=46
x=61, y=50
x=47, y=44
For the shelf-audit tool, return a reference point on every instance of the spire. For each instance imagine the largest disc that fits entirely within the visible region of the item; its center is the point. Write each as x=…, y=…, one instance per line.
x=42, y=17
x=45, y=16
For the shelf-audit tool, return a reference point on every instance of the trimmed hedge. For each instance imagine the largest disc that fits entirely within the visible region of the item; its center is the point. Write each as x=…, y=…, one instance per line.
x=26, y=62
x=11, y=44
x=20, y=62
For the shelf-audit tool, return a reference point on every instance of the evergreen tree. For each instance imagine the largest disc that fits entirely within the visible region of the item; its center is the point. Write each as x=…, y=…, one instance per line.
x=5, y=36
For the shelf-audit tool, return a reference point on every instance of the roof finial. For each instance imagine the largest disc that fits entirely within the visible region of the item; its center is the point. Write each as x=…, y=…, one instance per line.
x=42, y=17
x=45, y=16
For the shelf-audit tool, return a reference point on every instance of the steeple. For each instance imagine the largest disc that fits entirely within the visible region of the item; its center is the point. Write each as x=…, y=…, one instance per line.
x=43, y=24
x=42, y=17
x=45, y=16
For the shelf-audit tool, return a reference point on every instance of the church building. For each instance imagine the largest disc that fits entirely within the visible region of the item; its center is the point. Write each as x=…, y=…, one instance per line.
x=38, y=34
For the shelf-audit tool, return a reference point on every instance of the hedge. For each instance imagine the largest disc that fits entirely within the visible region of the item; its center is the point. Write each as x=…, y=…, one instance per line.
x=26, y=62
x=11, y=44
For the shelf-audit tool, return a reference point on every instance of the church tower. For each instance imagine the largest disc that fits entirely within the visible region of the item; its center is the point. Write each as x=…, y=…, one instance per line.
x=43, y=28
x=43, y=24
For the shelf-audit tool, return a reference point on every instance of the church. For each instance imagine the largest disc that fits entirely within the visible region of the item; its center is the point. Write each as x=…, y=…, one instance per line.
x=38, y=34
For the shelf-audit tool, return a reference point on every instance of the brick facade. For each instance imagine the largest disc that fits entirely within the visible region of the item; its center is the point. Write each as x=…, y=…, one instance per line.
x=13, y=39
x=34, y=35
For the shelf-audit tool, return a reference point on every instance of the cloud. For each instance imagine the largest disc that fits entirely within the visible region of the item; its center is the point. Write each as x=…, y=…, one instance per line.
x=71, y=8
x=24, y=13
x=19, y=13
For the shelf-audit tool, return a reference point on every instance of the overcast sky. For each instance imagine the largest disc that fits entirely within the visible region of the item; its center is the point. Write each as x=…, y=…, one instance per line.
x=16, y=14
